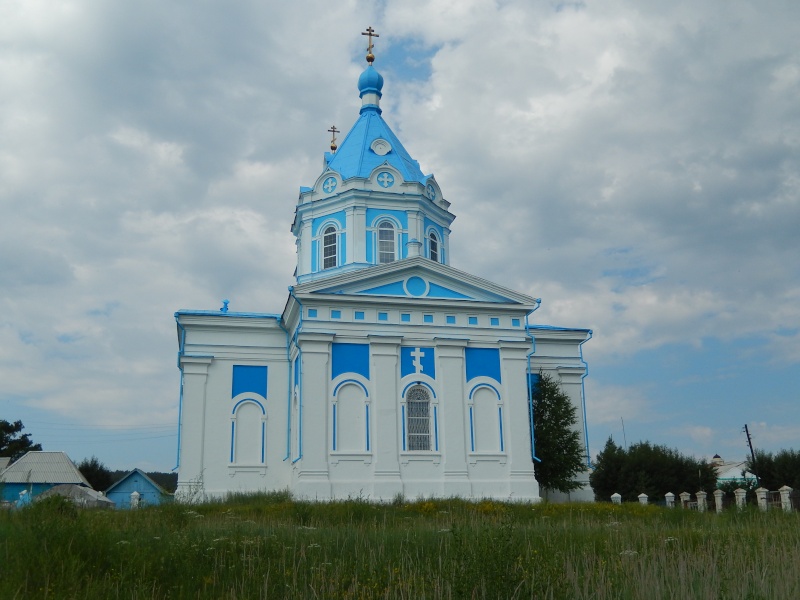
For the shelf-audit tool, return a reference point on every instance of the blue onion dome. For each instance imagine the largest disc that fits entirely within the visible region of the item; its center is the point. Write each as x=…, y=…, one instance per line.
x=370, y=82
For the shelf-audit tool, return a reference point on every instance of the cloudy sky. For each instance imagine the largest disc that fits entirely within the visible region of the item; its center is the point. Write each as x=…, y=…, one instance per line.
x=636, y=165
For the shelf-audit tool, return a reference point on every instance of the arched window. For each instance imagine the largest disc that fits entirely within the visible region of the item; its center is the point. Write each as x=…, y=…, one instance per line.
x=350, y=426
x=386, y=242
x=418, y=419
x=433, y=247
x=248, y=429
x=486, y=421
x=329, y=243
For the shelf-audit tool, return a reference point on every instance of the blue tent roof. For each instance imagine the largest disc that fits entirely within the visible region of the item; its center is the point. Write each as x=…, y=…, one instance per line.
x=355, y=158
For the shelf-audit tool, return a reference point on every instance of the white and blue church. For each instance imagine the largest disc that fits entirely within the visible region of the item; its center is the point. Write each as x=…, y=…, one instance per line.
x=388, y=372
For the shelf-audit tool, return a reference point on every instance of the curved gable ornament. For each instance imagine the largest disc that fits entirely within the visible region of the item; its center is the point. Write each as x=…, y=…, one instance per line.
x=380, y=147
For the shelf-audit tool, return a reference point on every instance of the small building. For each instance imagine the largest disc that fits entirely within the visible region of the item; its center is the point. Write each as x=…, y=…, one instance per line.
x=735, y=471
x=79, y=495
x=150, y=493
x=37, y=472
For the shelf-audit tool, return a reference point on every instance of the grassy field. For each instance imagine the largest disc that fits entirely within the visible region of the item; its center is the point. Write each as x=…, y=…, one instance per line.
x=272, y=547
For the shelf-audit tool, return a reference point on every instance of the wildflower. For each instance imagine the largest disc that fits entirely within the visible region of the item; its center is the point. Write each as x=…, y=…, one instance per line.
x=629, y=553
x=314, y=546
x=670, y=539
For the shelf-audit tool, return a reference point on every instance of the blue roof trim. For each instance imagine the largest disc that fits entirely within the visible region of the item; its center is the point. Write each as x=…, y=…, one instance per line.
x=216, y=313
x=554, y=328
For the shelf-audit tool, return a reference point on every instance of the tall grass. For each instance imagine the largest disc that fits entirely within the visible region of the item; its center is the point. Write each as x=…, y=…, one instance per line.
x=270, y=546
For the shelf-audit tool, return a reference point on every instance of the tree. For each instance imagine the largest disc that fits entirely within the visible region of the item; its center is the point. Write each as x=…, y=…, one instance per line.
x=557, y=442
x=776, y=470
x=13, y=443
x=650, y=469
x=96, y=473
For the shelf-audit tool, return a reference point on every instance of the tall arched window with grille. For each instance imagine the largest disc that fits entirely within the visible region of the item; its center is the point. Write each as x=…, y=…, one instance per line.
x=433, y=247
x=329, y=248
x=386, y=242
x=418, y=419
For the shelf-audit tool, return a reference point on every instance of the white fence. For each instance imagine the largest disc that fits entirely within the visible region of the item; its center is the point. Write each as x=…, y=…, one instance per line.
x=766, y=499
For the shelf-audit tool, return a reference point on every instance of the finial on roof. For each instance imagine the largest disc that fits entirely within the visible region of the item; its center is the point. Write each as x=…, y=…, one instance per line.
x=224, y=308
x=333, y=131
x=370, y=32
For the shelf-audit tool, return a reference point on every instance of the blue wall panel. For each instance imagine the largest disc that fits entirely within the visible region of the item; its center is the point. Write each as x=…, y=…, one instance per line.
x=349, y=358
x=249, y=379
x=483, y=362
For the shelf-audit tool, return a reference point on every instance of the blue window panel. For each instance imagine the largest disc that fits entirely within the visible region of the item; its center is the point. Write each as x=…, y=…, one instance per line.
x=473, y=320
x=515, y=322
x=483, y=362
x=494, y=321
x=359, y=315
x=374, y=215
x=405, y=317
x=336, y=314
x=382, y=316
x=314, y=256
x=451, y=319
x=427, y=318
x=349, y=358
x=533, y=381
x=251, y=379
x=312, y=313
x=439, y=291
x=417, y=360
x=318, y=222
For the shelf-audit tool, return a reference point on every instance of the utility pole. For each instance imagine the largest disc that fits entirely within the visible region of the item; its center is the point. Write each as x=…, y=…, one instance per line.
x=752, y=454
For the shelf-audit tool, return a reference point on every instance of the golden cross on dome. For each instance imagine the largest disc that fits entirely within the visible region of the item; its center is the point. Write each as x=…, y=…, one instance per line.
x=371, y=33
x=333, y=131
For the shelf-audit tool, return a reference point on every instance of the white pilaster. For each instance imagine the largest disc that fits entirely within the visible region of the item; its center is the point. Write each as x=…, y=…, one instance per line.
x=384, y=356
x=454, y=421
x=517, y=421
x=312, y=480
x=193, y=424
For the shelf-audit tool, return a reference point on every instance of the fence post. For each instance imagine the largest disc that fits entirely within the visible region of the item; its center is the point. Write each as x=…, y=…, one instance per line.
x=761, y=494
x=741, y=498
x=718, y=496
x=616, y=498
x=786, y=501
x=642, y=498
x=685, y=497
x=701, y=501
x=670, y=498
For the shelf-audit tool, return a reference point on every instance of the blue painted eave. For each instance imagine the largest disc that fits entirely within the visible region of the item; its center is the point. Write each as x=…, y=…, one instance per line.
x=217, y=313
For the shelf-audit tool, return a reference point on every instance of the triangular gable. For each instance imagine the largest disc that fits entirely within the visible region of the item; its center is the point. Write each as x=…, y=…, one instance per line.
x=143, y=475
x=418, y=278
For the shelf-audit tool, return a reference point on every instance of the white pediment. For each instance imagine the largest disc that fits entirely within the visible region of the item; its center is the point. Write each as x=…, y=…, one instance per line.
x=416, y=278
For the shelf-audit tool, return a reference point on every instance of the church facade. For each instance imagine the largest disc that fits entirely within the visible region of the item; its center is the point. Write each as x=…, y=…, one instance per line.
x=388, y=372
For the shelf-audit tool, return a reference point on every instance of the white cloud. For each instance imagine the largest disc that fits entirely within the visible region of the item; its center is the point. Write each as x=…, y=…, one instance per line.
x=635, y=166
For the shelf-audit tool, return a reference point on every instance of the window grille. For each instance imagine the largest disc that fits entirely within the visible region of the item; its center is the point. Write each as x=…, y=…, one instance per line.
x=329, y=248
x=386, y=242
x=418, y=411
x=433, y=247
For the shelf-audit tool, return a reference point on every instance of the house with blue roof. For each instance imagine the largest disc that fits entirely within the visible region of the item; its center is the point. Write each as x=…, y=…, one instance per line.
x=388, y=372
x=147, y=492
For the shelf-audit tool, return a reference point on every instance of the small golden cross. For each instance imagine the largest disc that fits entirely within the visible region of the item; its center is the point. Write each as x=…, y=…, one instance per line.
x=371, y=33
x=333, y=131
